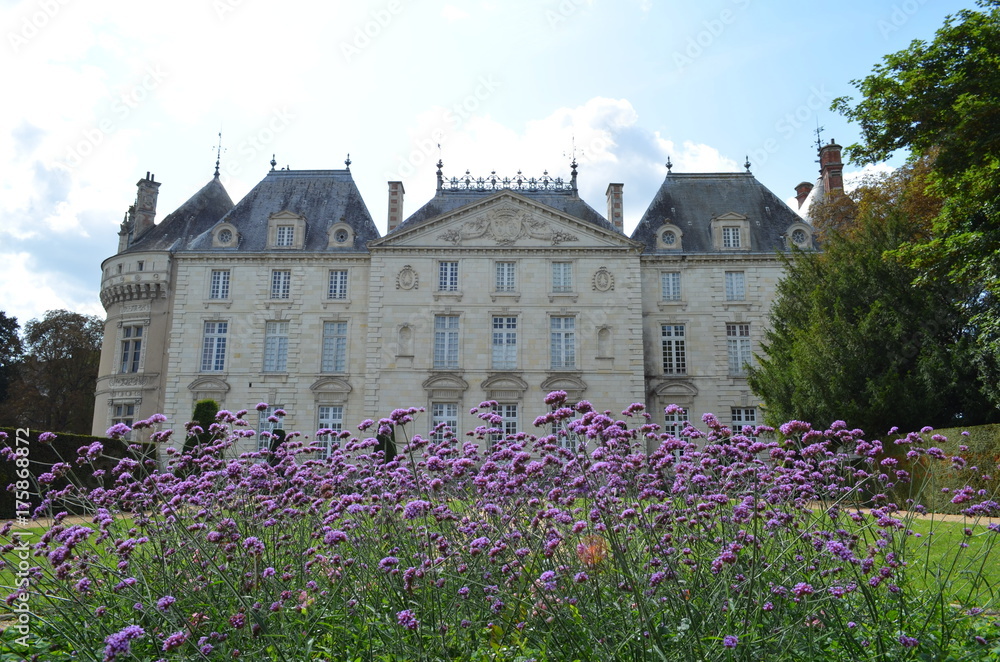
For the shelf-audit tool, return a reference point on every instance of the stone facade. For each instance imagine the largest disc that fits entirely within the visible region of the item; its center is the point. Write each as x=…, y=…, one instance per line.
x=493, y=290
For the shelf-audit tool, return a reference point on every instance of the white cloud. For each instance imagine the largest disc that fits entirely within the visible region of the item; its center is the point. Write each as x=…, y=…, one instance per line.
x=451, y=13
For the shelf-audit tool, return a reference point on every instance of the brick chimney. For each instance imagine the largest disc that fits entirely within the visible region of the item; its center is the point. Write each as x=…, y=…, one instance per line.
x=802, y=192
x=831, y=168
x=396, y=192
x=145, y=204
x=615, y=214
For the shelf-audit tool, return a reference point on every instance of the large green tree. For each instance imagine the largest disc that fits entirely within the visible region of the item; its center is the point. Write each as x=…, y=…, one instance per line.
x=11, y=353
x=941, y=100
x=854, y=338
x=57, y=378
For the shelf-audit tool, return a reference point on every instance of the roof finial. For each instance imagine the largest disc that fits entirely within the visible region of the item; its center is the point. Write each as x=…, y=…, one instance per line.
x=669, y=165
x=819, y=139
x=746, y=164
x=273, y=163
x=218, y=154
x=347, y=161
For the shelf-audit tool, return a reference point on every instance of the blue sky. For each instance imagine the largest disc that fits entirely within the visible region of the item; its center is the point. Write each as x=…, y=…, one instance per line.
x=99, y=93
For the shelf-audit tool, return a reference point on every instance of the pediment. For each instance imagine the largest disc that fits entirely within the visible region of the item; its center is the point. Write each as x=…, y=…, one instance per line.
x=504, y=387
x=208, y=384
x=329, y=385
x=505, y=220
x=669, y=390
x=573, y=385
x=446, y=381
x=285, y=215
x=730, y=216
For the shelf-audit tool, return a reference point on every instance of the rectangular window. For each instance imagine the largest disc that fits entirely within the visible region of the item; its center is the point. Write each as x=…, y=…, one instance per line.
x=562, y=335
x=276, y=347
x=268, y=422
x=124, y=414
x=505, y=277
x=446, y=413
x=131, y=348
x=738, y=347
x=338, y=284
x=730, y=237
x=565, y=438
x=140, y=265
x=509, y=424
x=281, y=284
x=330, y=418
x=446, y=341
x=675, y=422
x=670, y=285
x=285, y=235
x=562, y=276
x=504, y=343
x=742, y=416
x=334, y=347
x=736, y=289
x=674, y=351
x=448, y=276
x=213, y=347
x=220, y=284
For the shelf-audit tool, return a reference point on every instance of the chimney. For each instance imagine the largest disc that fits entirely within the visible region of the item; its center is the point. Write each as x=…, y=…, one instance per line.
x=831, y=169
x=396, y=192
x=614, y=194
x=802, y=192
x=145, y=204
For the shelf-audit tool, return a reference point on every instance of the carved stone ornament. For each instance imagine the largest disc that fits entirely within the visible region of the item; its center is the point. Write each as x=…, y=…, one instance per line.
x=505, y=225
x=604, y=280
x=407, y=279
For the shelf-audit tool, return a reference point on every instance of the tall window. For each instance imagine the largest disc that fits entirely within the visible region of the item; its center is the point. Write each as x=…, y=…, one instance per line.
x=448, y=276
x=743, y=416
x=281, y=284
x=285, y=235
x=562, y=335
x=213, y=347
x=124, y=414
x=675, y=422
x=730, y=237
x=220, y=284
x=334, y=347
x=265, y=425
x=670, y=285
x=504, y=343
x=738, y=347
x=562, y=276
x=338, y=284
x=509, y=414
x=331, y=417
x=446, y=341
x=736, y=289
x=444, y=412
x=276, y=347
x=674, y=350
x=131, y=348
x=505, y=277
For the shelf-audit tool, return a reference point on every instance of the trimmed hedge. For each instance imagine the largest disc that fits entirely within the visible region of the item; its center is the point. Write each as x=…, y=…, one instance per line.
x=41, y=457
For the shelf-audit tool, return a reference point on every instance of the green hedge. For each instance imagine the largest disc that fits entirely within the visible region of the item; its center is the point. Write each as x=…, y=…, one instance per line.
x=41, y=457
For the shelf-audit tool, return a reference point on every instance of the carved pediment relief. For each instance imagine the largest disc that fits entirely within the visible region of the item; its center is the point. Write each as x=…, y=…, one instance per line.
x=671, y=389
x=506, y=225
x=209, y=384
x=573, y=385
x=331, y=390
x=504, y=387
x=445, y=386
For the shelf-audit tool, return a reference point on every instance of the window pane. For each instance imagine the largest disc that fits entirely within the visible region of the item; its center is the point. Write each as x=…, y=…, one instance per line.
x=735, y=286
x=505, y=277
x=738, y=348
x=220, y=285
x=213, y=352
x=562, y=276
x=334, y=357
x=674, y=350
x=448, y=276
x=670, y=285
x=445, y=341
x=504, y=343
x=276, y=347
x=281, y=282
x=562, y=334
x=338, y=284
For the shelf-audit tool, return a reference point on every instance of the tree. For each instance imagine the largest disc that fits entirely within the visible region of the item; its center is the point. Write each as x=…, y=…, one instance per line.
x=854, y=338
x=11, y=353
x=942, y=100
x=55, y=387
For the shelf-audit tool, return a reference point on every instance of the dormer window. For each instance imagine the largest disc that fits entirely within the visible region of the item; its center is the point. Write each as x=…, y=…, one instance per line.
x=799, y=236
x=731, y=232
x=730, y=237
x=285, y=235
x=669, y=236
x=341, y=235
x=224, y=236
x=286, y=230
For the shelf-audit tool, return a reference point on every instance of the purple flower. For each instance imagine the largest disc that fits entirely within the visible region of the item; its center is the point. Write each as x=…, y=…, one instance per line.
x=163, y=603
x=407, y=620
x=253, y=546
x=908, y=642
x=388, y=563
x=261, y=406
x=119, y=643
x=729, y=641
x=415, y=509
x=48, y=438
x=176, y=640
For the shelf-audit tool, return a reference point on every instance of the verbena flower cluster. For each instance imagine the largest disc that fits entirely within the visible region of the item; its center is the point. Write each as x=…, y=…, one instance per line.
x=634, y=545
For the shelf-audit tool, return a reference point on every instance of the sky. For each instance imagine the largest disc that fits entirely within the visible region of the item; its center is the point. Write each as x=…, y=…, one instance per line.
x=100, y=93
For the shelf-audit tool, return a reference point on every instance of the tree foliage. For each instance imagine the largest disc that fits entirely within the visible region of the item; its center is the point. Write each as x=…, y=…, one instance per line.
x=854, y=338
x=55, y=386
x=11, y=353
x=941, y=100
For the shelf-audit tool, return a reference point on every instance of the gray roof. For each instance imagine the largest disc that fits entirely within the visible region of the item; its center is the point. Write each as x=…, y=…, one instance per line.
x=323, y=197
x=201, y=211
x=691, y=201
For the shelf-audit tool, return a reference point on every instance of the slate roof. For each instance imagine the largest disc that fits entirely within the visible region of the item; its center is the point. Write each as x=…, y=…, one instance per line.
x=568, y=201
x=690, y=201
x=199, y=214
x=323, y=197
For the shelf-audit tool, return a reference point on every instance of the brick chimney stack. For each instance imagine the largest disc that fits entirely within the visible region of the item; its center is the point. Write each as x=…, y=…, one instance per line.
x=396, y=192
x=615, y=213
x=802, y=192
x=831, y=168
x=145, y=204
